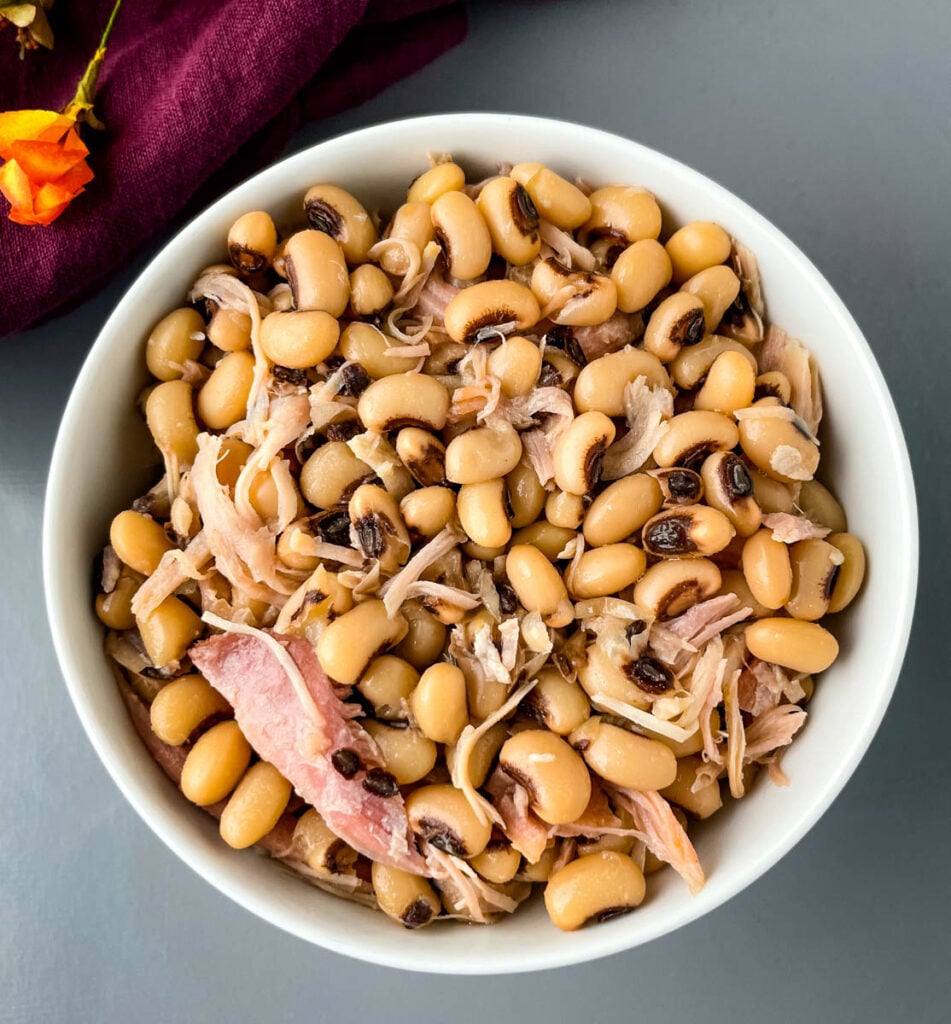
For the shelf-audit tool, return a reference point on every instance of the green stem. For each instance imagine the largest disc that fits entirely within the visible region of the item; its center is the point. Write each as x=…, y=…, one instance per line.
x=83, y=99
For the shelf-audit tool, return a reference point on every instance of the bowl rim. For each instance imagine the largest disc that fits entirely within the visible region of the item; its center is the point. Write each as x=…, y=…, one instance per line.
x=597, y=942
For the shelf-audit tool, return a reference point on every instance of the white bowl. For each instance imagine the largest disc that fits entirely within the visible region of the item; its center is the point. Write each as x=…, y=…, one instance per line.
x=102, y=460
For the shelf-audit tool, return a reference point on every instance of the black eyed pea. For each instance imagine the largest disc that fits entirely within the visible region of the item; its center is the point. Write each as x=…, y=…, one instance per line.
x=115, y=608
x=484, y=554
x=693, y=362
x=728, y=486
x=331, y=475
x=404, y=400
x=317, y=272
x=170, y=416
x=624, y=758
x=181, y=706
x=778, y=447
x=773, y=384
x=407, y=754
x=563, y=509
x=815, y=571
x=368, y=345
x=252, y=242
x=438, y=703
x=425, y=637
x=677, y=323
x=621, y=212
x=600, y=676
x=554, y=774
x=348, y=644
x=730, y=384
x=558, y=370
x=294, y=546
x=386, y=684
x=549, y=539
x=578, y=452
x=851, y=571
x=695, y=247
x=734, y=582
x=265, y=498
x=234, y=454
x=550, y=277
x=594, y=888
x=526, y=496
x=717, y=288
x=378, y=526
x=606, y=570
x=688, y=531
x=483, y=453
x=767, y=569
x=319, y=848
x=482, y=755
x=679, y=486
x=412, y=225
x=538, y=585
x=541, y=869
x=255, y=806
x=516, y=363
x=559, y=705
x=792, y=643
x=223, y=398
x=407, y=899
x=701, y=803
x=338, y=214
x=437, y=181
x=443, y=359
x=669, y=587
x=773, y=495
x=490, y=304
x=371, y=291
x=168, y=631
x=600, y=384
x=139, y=541
x=621, y=509
x=639, y=273
x=820, y=505
x=427, y=510
x=441, y=815
x=423, y=454
x=299, y=339
x=230, y=330
x=692, y=436
x=175, y=339
x=555, y=199
x=591, y=299
x=483, y=514
x=461, y=231
x=498, y=862
x=508, y=210
x=215, y=764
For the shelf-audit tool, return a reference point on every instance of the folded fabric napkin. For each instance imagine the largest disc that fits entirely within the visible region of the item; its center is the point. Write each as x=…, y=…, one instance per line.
x=194, y=97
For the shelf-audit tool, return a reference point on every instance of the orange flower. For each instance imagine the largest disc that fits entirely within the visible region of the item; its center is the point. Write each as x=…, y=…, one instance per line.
x=45, y=165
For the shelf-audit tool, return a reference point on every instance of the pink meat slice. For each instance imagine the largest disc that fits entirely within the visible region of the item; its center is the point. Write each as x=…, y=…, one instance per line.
x=305, y=744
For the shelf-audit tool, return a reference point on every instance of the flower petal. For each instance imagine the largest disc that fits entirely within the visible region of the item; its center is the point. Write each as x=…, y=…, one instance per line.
x=74, y=179
x=44, y=161
x=18, y=125
x=15, y=185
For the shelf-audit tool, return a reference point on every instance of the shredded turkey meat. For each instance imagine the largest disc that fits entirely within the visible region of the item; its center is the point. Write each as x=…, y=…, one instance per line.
x=647, y=410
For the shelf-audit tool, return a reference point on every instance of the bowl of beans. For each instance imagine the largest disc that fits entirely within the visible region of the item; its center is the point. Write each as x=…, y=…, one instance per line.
x=488, y=571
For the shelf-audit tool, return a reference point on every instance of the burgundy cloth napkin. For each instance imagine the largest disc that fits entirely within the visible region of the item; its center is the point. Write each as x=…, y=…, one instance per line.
x=195, y=97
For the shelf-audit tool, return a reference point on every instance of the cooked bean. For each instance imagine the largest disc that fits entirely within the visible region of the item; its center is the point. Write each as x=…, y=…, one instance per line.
x=677, y=323
x=425, y=637
x=621, y=509
x=729, y=386
x=688, y=531
x=317, y=272
x=773, y=385
x=498, y=862
x=490, y=304
x=563, y=509
x=602, y=676
x=368, y=345
x=623, y=758
x=439, y=704
x=484, y=554
x=407, y=899
x=441, y=815
x=182, y=705
x=728, y=486
x=579, y=450
x=371, y=291
x=679, y=486
x=336, y=213
x=319, y=848
x=592, y=300
x=139, y=541
x=851, y=572
x=512, y=220
x=556, y=199
x=526, y=495
x=230, y=330
x=773, y=495
x=550, y=540
x=171, y=420
x=265, y=499
x=558, y=370
x=734, y=582
x=299, y=339
x=167, y=631
x=255, y=806
x=696, y=246
x=820, y=505
x=252, y=242
x=792, y=643
x=779, y=448
x=540, y=870
x=815, y=569
x=115, y=608
x=437, y=181
x=693, y=362
x=692, y=436
x=702, y=802
x=423, y=454
x=639, y=273
x=559, y=705
x=412, y=224
x=622, y=212
x=428, y=509
x=482, y=755
x=461, y=231
x=555, y=776
x=717, y=288
x=223, y=398
x=348, y=644
x=175, y=339
x=483, y=453
x=516, y=363
x=606, y=570
x=331, y=474
x=408, y=755
x=594, y=888
x=483, y=514
x=215, y=764
x=538, y=585
x=767, y=569
x=293, y=546
x=550, y=277
x=673, y=585
x=405, y=400
x=378, y=526
x=387, y=683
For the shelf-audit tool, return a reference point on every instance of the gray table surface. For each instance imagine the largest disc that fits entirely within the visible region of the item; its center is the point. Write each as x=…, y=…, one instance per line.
x=833, y=121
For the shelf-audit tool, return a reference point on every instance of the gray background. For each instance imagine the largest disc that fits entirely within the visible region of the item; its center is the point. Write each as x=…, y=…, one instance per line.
x=835, y=125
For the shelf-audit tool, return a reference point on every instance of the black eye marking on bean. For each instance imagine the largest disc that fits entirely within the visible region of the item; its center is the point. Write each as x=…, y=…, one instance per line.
x=343, y=431
x=735, y=478
x=355, y=381
x=321, y=216
x=371, y=535
x=607, y=914
x=563, y=338
x=634, y=629
x=737, y=312
x=830, y=581
x=508, y=602
x=592, y=462
x=491, y=319
x=683, y=485
x=246, y=260
x=289, y=376
x=650, y=675
x=549, y=377
x=693, y=458
x=332, y=526
x=766, y=391
x=523, y=211
x=346, y=761
x=689, y=329
x=380, y=782
x=669, y=536
x=520, y=777
x=418, y=913
x=438, y=834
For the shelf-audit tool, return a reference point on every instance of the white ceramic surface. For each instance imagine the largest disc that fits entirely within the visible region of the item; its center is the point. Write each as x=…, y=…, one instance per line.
x=101, y=461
